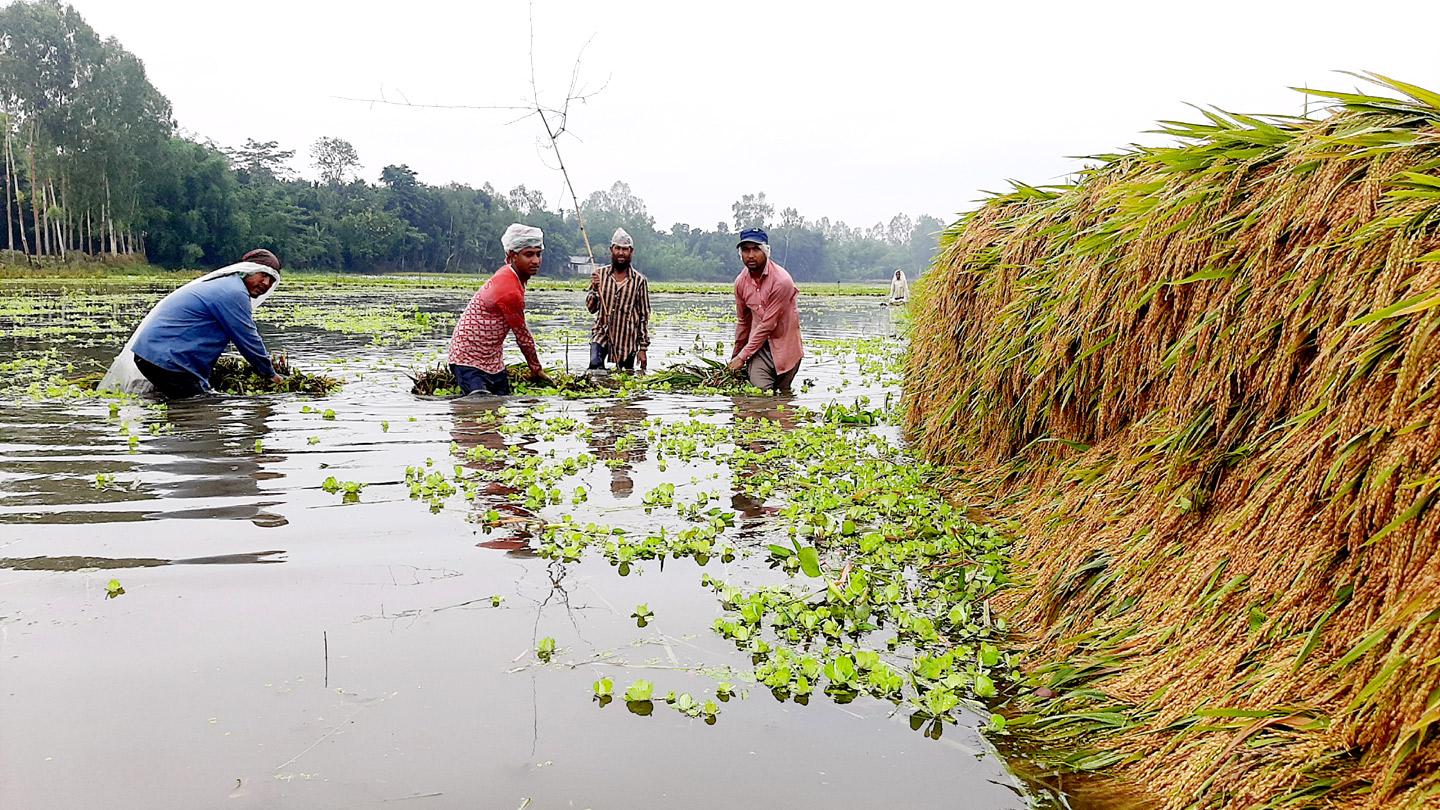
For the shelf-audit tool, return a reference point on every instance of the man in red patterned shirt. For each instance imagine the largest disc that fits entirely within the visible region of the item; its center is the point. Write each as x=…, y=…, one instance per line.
x=477, y=349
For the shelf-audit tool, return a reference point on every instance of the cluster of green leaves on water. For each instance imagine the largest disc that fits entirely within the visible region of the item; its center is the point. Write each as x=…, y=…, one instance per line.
x=885, y=611
x=880, y=360
x=640, y=699
x=568, y=540
x=384, y=323
x=348, y=490
x=888, y=541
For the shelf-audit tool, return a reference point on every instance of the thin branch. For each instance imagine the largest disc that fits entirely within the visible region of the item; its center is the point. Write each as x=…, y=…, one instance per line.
x=556, y=122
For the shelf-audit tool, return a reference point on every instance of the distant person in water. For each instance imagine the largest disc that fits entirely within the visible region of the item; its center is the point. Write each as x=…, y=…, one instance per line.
x=619, y=297
x=767, y=328
x=477, y=349
x=173, y=351
x=899, y=288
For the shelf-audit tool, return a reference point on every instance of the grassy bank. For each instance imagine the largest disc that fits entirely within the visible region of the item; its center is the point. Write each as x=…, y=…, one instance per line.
x=118, y=273
x=1200, y=382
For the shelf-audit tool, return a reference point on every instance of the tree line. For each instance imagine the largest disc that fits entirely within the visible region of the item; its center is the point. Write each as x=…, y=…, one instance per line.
x=94, y=165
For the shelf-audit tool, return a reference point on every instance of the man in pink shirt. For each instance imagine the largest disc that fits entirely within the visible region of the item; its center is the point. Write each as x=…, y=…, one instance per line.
x=767, y=327
x=477, y=348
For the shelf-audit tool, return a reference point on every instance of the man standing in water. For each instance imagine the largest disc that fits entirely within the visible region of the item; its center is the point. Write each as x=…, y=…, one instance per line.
x=477, y=349
x=767, y=328
x=619, y=297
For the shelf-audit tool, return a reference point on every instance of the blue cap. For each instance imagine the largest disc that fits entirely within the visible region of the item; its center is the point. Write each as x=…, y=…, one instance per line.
x=755, y=235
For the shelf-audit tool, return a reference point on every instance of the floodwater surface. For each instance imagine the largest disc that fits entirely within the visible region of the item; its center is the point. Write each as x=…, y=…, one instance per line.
x=281, y=644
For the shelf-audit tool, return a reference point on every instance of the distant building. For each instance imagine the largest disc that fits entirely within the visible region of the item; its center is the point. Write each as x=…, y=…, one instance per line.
x=583, y=265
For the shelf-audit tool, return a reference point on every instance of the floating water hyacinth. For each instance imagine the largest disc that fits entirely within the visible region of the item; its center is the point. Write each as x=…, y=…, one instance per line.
x=704, y=376
x=233, y=375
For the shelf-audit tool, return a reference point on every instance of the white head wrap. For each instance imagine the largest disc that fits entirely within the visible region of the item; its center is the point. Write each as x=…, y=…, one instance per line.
x=621, y=239
x=518, y=237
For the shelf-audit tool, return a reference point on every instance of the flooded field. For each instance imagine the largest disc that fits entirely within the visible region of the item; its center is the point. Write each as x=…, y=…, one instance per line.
x=373, y=600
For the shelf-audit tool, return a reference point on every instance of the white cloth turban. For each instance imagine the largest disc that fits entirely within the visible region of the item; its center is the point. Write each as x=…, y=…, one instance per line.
x=621, y=239
x=518, y=237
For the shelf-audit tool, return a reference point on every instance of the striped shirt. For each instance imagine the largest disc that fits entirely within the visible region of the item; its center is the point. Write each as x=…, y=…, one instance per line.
x=622, y=313
x=498, y=308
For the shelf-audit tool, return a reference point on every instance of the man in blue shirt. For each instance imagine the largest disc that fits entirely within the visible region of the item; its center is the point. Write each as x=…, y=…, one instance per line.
x=177, y=345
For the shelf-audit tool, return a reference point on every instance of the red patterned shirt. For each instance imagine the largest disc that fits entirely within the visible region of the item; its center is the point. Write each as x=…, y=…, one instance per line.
x=499, y=307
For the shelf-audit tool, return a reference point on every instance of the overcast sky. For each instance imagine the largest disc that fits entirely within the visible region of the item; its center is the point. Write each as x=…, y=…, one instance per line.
x=856, y=115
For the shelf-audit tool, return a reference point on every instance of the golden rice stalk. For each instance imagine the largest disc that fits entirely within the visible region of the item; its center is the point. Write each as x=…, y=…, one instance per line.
x=1204, y=381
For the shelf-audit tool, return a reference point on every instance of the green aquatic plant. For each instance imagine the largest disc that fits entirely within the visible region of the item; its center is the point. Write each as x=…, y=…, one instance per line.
x=603, y=688
x=350, y=490
x=545, y=649
x=113, y=589
x=642, y=614
x=640, y=691
x=233, y=375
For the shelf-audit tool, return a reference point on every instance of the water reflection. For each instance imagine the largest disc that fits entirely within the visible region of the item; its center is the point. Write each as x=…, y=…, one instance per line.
x=618, y=444
x=475, y=432
x=73, y=563
x=303, y=697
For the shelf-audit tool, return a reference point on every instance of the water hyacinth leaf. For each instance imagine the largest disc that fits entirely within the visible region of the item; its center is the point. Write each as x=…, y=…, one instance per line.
x=984, y=686
x=640, y=690
x=809, y=561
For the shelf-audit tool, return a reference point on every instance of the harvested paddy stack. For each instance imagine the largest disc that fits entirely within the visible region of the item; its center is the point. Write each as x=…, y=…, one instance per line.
x=1205, y=382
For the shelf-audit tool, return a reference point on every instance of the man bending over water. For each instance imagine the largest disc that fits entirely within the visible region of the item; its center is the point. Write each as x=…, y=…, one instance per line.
x=477, y=349
x=767, y=327
x=174, y=350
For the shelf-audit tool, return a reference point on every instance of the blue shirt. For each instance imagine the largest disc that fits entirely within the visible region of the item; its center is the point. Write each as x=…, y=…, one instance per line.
x=191, y=328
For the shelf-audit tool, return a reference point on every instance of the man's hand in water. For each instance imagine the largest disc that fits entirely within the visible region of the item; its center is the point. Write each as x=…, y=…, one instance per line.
x=736, y=363
x=538, y=375
x=640, y=358
x=277, y=380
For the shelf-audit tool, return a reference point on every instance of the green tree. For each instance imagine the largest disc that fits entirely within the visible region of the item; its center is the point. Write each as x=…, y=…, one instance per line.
x=335, y=159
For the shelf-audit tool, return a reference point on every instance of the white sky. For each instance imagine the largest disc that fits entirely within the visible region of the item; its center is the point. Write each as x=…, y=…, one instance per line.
x=852, y=114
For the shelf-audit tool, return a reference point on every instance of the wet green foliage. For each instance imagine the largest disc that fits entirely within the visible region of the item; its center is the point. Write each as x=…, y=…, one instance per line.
x=704, y=376
x=348, y=490
x=233, y=375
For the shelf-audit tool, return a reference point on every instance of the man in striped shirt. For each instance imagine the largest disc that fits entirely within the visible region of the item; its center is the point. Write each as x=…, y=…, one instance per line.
x=619, y=296
x=477, y=349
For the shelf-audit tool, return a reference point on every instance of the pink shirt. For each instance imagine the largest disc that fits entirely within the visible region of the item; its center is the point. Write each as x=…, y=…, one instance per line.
x=765, y=311
x=498, y=308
